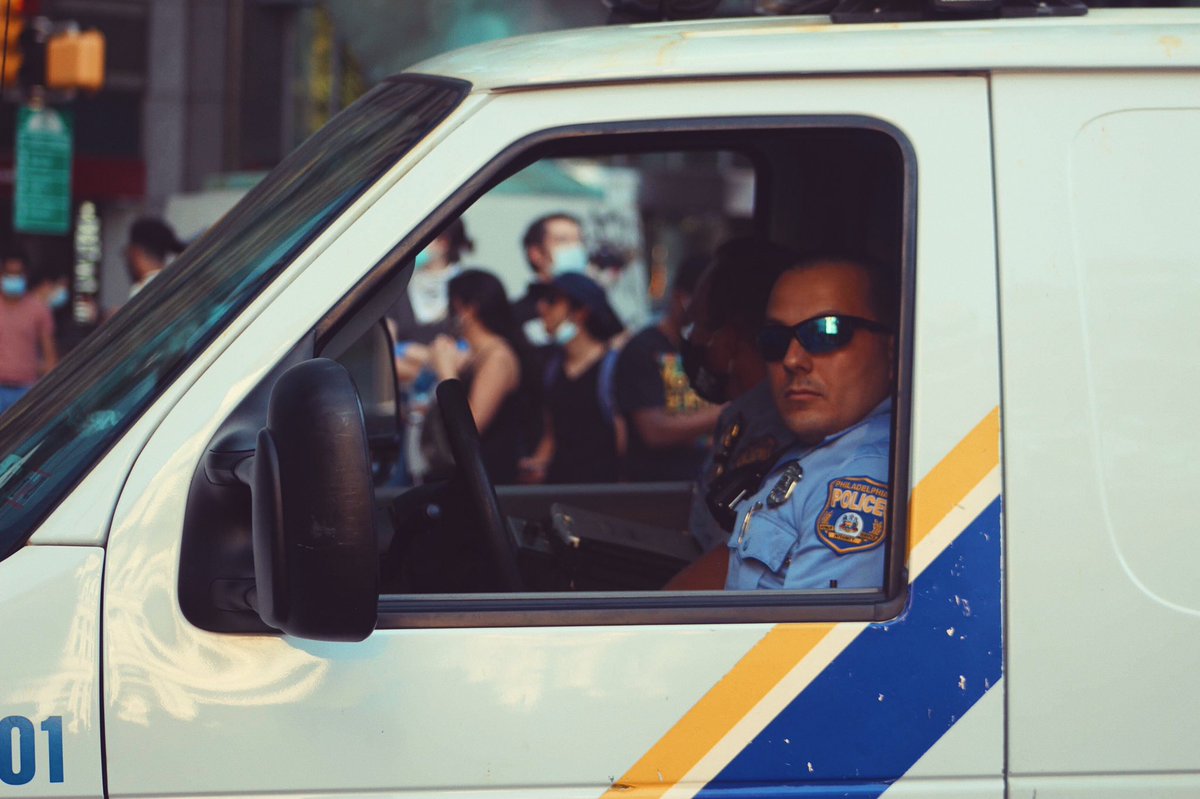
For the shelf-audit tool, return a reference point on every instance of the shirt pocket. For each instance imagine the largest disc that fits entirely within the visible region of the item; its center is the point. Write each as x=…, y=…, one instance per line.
x=763, y=553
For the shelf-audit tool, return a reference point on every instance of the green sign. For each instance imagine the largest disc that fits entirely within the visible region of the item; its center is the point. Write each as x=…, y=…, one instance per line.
x=42, y=192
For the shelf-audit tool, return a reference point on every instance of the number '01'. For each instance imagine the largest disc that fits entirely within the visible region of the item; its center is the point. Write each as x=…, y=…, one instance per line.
x=18, y=749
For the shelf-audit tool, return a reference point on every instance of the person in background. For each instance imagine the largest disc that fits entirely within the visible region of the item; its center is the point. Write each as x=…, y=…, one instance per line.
x=152, y=245
x=415, y=320
x=583, y=436
x=424, y=312
x=27, y=349
x=723, y=364
x=490, y=364
x=553, y=245
x=669, y=425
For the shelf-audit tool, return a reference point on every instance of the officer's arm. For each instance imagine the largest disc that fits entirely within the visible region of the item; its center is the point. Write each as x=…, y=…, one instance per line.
x=706, y=573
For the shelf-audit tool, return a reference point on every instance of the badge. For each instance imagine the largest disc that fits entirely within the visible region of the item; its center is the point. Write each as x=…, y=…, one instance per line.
x=854, y=516
x=782, y=491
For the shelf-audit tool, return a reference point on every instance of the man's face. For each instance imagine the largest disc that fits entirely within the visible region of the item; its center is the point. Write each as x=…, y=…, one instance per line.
x=560, y=233
x=818, y=395
x=14, y=266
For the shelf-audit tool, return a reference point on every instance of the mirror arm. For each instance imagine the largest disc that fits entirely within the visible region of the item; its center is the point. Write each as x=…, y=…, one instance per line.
x=229, y=468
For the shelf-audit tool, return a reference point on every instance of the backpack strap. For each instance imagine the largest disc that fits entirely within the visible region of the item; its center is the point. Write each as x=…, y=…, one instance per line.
x=606, y=386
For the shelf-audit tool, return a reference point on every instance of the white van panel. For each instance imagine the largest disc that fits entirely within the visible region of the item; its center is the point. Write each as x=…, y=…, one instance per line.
x=1096, y=197
x=49, y=672
x=1135, y=195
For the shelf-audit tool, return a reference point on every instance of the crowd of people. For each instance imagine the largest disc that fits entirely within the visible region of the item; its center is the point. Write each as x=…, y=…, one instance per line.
x=561, y=392
x=34, y=305
x=766, y=381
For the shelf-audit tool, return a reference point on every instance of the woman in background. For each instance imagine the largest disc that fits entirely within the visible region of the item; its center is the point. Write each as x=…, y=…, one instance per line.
x=488, y=358
x=583, y=439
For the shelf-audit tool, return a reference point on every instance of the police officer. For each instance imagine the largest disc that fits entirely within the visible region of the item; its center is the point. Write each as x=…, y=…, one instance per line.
x=820, y=517
x=721, y=358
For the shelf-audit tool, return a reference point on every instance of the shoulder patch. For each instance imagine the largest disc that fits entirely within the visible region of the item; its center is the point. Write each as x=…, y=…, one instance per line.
x=854, y=517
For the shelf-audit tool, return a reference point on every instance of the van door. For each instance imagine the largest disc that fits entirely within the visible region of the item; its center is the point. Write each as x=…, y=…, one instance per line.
x=681, y=705
x=1098, y=183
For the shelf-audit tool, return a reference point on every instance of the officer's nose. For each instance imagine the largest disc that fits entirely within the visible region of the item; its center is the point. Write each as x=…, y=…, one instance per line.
x=797, y=359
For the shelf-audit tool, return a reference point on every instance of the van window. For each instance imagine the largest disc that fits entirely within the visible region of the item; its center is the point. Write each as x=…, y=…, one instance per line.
x=606, y=240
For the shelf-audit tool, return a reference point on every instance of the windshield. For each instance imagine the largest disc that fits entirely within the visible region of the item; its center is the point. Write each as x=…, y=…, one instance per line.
x=71, y=418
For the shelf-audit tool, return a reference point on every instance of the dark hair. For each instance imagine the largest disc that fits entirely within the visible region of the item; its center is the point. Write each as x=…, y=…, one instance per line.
x=484, y=292
x=535, y=234
x=583, y=293
x=743, y=272
x=15, y=252
x=687, y=274
x=457, y=241
x=884, y=281
x=155, y=237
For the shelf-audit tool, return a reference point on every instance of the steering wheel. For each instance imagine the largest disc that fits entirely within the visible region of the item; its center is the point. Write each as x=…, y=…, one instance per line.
x=463, y=438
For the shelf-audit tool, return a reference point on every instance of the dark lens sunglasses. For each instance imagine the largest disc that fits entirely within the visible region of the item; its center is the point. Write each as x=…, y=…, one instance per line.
x=820, y=335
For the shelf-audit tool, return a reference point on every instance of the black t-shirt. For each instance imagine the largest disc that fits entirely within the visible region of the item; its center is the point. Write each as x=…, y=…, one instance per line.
x=585, y=444
x=525, y=308
x=650, y=375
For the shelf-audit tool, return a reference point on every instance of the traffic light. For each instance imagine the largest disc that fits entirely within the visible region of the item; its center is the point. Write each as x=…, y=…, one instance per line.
x=12, y=23
x=75, y=60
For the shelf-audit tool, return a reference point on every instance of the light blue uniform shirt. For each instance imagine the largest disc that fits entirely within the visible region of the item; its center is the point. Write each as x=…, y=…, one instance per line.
x=829, y=530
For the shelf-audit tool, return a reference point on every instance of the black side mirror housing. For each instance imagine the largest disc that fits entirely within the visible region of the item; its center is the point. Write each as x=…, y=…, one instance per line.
x=316, y=559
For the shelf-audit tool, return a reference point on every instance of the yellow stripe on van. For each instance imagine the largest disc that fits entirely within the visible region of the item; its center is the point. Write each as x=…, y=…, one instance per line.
x=776, y=654
x=951, y=480
x=785, y=646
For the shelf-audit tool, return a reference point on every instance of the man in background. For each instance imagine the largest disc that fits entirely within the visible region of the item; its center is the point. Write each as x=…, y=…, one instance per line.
x=27, y=349
x=553, y=245
x=669, y=425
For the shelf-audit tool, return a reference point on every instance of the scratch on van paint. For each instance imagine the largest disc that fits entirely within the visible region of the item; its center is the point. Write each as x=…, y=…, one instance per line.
x=1170, y=44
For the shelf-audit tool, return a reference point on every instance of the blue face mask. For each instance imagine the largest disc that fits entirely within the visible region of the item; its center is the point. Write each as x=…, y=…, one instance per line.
x=57, y=298
x=423, y=258
x=571, y=258
x=13, y=285
x=565, y=333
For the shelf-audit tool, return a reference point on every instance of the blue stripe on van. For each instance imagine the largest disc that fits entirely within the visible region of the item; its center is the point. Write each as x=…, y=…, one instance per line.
x=893, y=692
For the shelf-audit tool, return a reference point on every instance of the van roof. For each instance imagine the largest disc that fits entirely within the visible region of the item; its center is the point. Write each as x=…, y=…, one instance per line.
x=1103, y=39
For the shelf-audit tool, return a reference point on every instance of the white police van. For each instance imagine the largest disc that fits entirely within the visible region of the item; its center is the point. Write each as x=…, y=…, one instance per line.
x=1038, y=630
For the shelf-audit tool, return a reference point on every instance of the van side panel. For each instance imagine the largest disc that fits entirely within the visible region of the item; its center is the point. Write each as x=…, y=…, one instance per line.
x=1098, y=184
x=49, y=672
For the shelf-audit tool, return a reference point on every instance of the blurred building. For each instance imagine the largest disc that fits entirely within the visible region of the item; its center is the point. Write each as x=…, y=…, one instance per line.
x=202, y=97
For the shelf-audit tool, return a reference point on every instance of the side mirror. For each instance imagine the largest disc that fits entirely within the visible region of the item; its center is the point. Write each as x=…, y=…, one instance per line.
x=316, y=559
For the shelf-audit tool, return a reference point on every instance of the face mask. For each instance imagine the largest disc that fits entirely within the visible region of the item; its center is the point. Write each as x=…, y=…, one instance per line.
x=57, y=298
x=422, y=258
x=13, y=285
x=571, y=258
x=707, y=384
x=565, y=332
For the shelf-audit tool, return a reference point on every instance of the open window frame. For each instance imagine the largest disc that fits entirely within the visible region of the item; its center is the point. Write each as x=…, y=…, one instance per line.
x=364, y=305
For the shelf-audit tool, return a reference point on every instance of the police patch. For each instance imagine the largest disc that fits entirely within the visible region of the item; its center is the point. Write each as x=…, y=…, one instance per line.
x=854, y=517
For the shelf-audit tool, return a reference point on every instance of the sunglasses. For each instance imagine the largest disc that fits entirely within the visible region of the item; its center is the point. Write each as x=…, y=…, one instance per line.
x=820, y=335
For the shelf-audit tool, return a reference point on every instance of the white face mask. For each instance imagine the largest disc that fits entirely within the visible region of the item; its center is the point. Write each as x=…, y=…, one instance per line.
x=570, y=258
x=565, y=332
